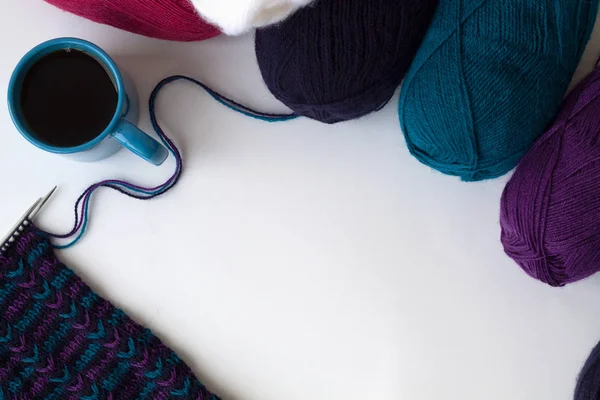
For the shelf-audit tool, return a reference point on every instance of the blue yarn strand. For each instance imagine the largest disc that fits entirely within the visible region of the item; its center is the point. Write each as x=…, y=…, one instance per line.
x=141, y=193
x=235, y=106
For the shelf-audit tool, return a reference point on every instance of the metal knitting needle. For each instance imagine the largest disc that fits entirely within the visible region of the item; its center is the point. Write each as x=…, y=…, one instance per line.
x=42, y=202
x=31, y=213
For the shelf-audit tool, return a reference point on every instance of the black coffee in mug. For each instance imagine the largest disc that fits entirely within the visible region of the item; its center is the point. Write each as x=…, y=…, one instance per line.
x=67, y=98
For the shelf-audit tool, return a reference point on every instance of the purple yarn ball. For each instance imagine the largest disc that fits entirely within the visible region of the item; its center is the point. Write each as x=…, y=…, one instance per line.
x=337, y=60
x=550, y=210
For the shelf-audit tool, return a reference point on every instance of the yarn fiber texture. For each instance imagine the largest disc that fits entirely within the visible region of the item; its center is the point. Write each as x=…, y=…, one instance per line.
x=340, y=60
x=235, y=17
x=163, y=19
x=488, y=80
x=550, y=209
x=588, y=382
x=60, y=340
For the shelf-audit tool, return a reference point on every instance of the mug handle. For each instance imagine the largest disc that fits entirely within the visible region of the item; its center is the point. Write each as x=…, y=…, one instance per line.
x=140, y=143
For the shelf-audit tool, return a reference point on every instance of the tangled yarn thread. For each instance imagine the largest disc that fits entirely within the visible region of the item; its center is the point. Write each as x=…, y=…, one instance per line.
x=551, y=207
x=339, y=60
x=488, y=80
x=81, y=209
x=162, y=19
x=60, y=340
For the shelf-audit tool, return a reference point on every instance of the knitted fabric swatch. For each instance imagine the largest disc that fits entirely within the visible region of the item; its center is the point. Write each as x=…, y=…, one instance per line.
x=60, y=340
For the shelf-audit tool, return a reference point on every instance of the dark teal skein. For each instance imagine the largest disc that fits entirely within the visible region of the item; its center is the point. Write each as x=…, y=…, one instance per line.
x=488, y=79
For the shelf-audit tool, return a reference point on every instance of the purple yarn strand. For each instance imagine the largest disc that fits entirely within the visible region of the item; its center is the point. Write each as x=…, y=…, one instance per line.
x=119, y=184
x=143, y=193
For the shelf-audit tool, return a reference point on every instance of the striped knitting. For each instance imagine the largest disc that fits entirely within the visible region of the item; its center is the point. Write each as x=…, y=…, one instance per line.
x=60, y=340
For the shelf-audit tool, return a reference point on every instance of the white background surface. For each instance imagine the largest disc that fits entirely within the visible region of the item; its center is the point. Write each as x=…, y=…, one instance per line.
x=299, y=260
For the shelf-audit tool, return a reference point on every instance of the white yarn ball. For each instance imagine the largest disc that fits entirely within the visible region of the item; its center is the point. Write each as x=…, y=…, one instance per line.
x=235, y=17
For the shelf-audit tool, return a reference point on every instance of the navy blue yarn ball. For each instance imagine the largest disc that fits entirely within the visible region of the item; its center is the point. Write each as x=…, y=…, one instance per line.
x=338, y=60
x=588, y=382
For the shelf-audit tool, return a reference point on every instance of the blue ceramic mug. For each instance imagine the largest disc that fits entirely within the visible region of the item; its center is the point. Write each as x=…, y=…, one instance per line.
x=120, y=132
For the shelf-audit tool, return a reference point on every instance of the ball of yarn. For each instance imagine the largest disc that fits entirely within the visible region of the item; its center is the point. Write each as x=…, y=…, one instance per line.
x=162, y=19
x=339, y=60
x=488, y=80
x=234, y=17
x=588, y=382
x=550, y=209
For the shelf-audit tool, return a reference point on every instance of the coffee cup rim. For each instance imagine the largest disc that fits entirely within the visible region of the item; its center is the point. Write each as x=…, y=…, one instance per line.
x=35, y=55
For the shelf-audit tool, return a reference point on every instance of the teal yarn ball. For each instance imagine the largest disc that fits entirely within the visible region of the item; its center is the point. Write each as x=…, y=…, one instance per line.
x=488, y=79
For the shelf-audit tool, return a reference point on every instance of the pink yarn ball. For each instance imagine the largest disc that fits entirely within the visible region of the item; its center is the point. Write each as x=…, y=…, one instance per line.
x=162, y=19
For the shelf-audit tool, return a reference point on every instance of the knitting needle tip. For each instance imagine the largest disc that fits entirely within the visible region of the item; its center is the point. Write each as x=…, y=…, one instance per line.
x=41, y=203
